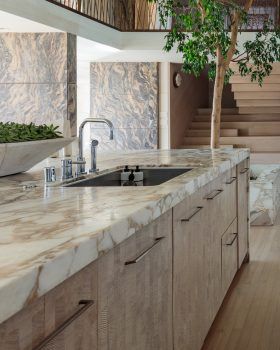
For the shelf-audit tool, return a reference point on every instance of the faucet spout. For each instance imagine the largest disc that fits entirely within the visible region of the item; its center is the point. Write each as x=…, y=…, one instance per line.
x=93, y=120
x=81, y=134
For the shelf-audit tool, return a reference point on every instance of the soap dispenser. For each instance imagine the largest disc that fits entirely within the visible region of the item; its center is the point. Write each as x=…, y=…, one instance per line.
x=139, y=175
x=125, y=173
x=131, y=180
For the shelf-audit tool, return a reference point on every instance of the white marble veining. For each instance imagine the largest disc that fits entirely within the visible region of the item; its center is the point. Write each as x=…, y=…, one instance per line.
x=49, y=233
x=264, y=194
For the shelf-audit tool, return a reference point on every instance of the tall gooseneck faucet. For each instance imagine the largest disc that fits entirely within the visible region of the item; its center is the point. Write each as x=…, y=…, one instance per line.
x=94, y=144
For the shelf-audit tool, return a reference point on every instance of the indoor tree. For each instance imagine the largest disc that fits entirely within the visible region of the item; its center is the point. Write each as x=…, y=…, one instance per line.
x=206, y=32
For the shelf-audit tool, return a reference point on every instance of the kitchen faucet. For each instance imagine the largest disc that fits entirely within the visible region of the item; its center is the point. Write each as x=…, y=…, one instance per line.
x=81, y=161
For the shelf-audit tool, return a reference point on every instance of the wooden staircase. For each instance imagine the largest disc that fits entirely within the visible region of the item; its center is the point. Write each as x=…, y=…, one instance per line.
x=259, y=132
x=251, y=98
x=255, y=123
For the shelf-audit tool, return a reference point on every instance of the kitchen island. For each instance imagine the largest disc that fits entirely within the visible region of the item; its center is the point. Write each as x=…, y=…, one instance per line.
x=121, y=268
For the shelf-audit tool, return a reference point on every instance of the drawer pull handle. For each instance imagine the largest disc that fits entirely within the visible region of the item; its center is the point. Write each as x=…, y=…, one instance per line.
x=244, y=171
x=86, y=304
x=147, y=251
x=234, y=238
x=197, y=210
x=229, y=182
x=214, y=194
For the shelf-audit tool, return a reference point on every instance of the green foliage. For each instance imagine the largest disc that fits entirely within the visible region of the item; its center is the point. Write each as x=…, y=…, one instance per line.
x=13, y=132
x=259, y=54
x=197, y=34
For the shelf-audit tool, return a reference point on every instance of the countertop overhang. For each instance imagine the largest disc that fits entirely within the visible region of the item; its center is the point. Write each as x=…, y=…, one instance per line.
x=49, y=233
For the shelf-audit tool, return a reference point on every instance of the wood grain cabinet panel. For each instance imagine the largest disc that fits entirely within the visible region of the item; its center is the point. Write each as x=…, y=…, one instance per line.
x=24, y=330
x=199, y=223
x=223, y=196
x=135, y=291
x=158, y=290
x=243, y=177
x=71, y=313
x=58, y=320
x=229, y=256
x=191, y=272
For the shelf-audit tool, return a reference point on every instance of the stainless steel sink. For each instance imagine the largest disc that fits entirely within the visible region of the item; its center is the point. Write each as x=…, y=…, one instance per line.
x=152, y=177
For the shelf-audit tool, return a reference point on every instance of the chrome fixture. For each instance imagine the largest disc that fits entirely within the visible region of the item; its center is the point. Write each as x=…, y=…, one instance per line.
x=94, y=144
x=66, y=169
x=80, y=165
x=50, y=175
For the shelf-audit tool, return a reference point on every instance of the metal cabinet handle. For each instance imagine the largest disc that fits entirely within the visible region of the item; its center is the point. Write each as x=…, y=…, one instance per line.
x=147, y=251
x=197, y=210
x=86, y=304
x=214, y=194
x=234, y=238
x=244, y=171
x=229, y=182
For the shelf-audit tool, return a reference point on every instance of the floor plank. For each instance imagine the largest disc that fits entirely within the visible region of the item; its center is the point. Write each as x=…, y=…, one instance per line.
x=249, y=319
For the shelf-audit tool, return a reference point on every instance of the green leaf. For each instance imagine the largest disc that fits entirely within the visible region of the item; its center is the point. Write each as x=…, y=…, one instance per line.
x=14, y=132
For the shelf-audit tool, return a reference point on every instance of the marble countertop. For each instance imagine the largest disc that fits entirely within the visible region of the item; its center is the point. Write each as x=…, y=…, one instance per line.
x=49, y=233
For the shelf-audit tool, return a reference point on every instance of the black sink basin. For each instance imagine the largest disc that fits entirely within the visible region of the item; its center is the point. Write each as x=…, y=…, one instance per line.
x=152, y=177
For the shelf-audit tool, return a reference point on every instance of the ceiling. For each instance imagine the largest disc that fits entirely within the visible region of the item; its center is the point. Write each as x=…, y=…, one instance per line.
x=12, y=23
x=89, y=50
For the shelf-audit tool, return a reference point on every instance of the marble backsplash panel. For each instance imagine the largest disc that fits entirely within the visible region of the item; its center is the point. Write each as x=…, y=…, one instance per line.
x=28, y=103
x=126, y=94
x=33, y=58
x=38, y=78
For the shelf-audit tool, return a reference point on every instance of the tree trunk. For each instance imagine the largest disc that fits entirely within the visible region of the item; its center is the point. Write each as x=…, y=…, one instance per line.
x=222, y=65
x=217, y=101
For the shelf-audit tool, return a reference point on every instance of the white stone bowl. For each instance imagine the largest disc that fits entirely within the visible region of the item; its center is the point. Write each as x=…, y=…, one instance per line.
x=21, y=156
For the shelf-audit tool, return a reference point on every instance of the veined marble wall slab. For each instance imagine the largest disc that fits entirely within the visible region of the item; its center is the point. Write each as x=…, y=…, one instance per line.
x=38, y=78
x=126, y=94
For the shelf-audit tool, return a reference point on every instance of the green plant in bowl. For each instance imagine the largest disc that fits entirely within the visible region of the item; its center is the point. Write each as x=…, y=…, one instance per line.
x=14, y=132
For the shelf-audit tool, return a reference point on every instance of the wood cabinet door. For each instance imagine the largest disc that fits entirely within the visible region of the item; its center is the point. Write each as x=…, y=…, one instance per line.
x=135, y=291
x=229, y=256
x=25, y=330
x=71, y=313
x=191, y=272
x=216, y=222
x=243, y=176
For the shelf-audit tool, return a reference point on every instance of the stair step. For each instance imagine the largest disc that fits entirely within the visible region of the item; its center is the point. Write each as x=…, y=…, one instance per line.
x=255, y=87
x=203, y=111
x=207, y=132
x=260, y=95
x=238, y=79
x=252, y=128
x=258, y=103
x=259, y=110
x=240, y=117
x=255, y=143
x=275, y=70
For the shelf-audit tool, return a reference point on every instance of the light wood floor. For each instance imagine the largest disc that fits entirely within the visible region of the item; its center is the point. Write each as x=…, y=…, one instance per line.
x=250, y=316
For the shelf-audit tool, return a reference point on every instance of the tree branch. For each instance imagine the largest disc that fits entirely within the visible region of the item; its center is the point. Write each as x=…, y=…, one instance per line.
x=202, y=9
x=235, y=59
x=234, y=31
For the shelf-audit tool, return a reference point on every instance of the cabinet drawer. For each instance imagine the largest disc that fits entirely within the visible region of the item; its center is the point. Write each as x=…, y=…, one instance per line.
x=191, y=208
x=135, y=290
x=222, y=201
x=229, y=256
x=71, y=313
x=64, y=319
x=229, y=204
